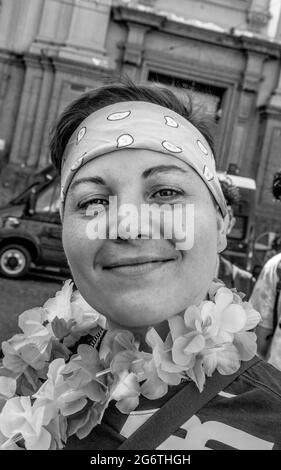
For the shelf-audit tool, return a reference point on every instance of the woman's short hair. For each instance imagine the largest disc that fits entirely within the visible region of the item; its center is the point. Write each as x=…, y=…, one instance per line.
x=177, y=100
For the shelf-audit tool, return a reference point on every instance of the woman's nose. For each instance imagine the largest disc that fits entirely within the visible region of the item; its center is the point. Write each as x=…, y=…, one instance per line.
x=127, y=217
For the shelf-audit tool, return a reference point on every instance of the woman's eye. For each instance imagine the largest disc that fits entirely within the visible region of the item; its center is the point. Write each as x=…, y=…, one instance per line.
x=166, y=192
x=93, y=202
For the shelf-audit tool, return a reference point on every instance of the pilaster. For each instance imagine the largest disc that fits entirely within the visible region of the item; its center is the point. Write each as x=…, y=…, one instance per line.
x=19, y=23
x=27, y=111
x=246, y=106
x=275, y=99
x=134, y=49
x=37, y=152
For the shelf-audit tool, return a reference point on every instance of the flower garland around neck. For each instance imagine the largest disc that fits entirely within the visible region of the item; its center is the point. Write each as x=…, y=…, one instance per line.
x=50, y=389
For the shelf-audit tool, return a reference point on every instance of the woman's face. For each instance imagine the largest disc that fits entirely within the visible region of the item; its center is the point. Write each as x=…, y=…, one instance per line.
x=136, y=281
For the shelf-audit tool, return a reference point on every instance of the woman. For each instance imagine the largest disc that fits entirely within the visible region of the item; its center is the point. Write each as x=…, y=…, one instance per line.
x=122, y=150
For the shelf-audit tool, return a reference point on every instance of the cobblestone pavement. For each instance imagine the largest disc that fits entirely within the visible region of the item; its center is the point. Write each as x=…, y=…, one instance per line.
x=17, y=295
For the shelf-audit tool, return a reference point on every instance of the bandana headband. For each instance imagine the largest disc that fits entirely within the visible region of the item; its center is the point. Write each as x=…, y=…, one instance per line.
x=139, y=125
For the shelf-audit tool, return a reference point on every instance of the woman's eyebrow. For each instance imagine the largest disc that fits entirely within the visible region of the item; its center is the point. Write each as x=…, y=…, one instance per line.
x=162, y=169
x=88, y=179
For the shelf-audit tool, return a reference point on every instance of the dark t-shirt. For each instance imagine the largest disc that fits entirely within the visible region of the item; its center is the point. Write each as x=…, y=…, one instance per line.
x=246, y=415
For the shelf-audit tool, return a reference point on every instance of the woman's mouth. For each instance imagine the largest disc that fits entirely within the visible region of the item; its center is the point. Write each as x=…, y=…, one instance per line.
x=137, y=266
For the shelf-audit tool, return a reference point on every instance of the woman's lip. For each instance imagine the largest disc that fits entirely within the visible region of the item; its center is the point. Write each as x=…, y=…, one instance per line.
x=136, y=262
x=138, y=268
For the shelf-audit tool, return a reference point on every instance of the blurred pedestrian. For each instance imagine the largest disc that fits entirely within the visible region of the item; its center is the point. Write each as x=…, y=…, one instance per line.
x=267, y=300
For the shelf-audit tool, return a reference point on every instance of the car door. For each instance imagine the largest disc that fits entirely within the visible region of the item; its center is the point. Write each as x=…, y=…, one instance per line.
x=46, y=226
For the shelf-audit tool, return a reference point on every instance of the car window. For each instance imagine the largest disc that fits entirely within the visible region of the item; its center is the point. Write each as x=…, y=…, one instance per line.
x=48, y=200
x=55, y=204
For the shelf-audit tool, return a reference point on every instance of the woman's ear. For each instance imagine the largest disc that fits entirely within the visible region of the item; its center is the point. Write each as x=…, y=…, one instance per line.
x=222, y=226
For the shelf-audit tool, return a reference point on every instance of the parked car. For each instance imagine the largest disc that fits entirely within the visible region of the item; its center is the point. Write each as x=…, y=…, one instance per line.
x=30, y=228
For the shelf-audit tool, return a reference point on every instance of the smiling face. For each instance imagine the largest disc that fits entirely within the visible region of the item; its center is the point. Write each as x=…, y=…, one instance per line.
x=138, y=282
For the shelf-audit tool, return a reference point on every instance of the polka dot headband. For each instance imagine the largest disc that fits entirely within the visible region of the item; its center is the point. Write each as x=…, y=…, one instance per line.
x=139, y=125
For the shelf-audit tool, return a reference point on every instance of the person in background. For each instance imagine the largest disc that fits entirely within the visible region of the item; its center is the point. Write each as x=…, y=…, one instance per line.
x=229, y=273
x=266, y=298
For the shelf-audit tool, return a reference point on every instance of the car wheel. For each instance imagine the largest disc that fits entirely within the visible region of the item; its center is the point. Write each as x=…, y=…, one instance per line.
x=14, y=261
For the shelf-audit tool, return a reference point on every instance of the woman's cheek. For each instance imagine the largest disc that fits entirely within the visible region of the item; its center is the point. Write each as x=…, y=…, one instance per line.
x=179, y=225
x=205, y=234
x=75, y=242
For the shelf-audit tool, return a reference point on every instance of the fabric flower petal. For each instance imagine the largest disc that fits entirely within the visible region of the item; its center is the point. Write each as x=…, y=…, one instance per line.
x=59, y=306
x=127, y=385
x=73, y=406
x=152, y=338
x=180, y=357
x=12, y=415
x=91, y=422
x=31, y=317
x=40, y=442
x=8, y=386
x=207, y=312
x=170, y=378
x=215, y=286
x=209, y=364
x=253, y=316
x=233, y=318
x=191, y=316
x=197, y=374
x=246, y=344
x=126, y=405
x=195, y=344
x=177, y=326
x=223, y=298
x=153, y=387
x=228, y=360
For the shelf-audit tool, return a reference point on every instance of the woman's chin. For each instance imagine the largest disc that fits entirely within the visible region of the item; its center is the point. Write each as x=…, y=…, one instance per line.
x=138, y=320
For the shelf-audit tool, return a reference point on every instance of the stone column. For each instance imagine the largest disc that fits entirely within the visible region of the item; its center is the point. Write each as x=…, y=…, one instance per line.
x=11, y=83
x=135, y=42
x=278, y=29
x=36, y=151
x=27, y=112
x=275, y=99
x=19, y=23
x=246, y=106
x=133, y=50
x=6, y=23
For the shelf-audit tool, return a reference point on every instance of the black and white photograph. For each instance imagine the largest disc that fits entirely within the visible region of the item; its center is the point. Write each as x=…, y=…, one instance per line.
x=140, y=229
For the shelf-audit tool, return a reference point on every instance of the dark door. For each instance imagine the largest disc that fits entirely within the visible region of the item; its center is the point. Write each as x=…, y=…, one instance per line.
x=45, y=225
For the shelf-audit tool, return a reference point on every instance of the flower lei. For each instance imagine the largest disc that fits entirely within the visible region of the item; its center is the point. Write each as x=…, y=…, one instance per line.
x=48, y=393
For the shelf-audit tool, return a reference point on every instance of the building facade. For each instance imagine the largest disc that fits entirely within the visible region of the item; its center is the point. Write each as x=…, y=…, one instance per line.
x=226, y=51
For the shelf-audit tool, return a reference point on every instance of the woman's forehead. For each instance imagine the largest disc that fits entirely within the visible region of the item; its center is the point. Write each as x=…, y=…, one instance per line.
x=134, y=161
